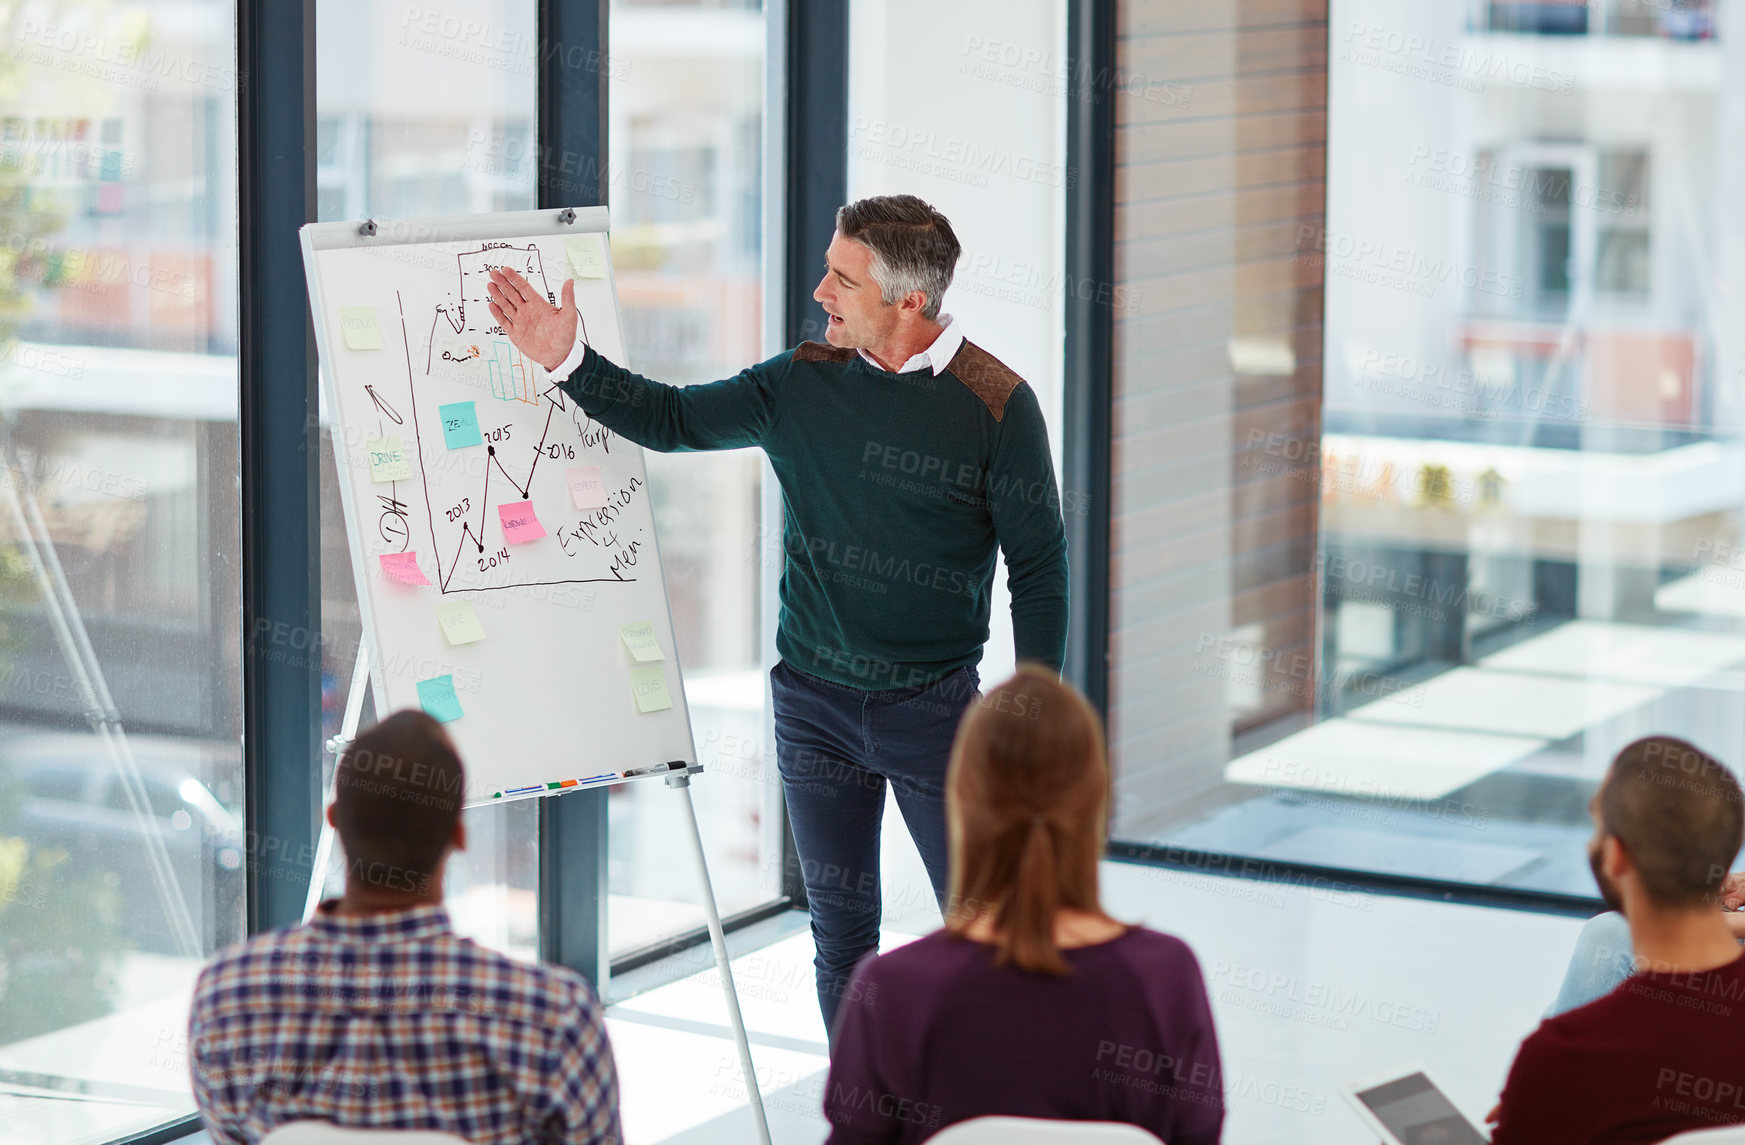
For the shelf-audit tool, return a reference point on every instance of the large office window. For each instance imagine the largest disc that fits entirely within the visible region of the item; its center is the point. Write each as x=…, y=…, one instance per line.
x=121, y=851
x=422, y=111
x=686, y=135
x=1525, y=485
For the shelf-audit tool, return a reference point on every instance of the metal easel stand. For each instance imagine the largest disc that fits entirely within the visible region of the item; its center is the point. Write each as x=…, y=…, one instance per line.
x=718, y=939
x=681, y=782
x=99, y=706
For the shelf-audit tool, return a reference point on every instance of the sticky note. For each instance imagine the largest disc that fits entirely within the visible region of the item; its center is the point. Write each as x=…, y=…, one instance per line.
x=460, y=425
x=459, y=622
x=648, y=684
x=388, y=459
x=639, y=638
x=520, y=522
x=436, y=696
x=359, y=324
x=587, y=487
x=403, y=567
x=587, y=255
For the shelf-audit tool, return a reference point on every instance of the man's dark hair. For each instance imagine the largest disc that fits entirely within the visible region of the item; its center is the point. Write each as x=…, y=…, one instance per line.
x=912, y=245
x=1679, y=814
x=397, y=797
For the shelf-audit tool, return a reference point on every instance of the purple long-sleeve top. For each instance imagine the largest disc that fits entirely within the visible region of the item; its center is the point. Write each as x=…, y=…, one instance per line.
x=934, y=1033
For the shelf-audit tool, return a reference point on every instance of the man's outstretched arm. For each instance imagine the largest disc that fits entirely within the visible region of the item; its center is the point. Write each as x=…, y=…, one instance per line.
x=729, y=414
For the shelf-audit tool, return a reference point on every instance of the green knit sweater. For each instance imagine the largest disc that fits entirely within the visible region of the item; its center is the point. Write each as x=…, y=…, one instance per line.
x=897, y=488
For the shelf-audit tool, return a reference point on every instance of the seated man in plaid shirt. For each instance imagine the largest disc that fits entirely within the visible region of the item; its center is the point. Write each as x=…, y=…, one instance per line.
x=375, y=1015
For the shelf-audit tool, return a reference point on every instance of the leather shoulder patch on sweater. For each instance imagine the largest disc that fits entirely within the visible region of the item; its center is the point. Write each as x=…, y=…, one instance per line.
x=821, y=352
x=986, y=376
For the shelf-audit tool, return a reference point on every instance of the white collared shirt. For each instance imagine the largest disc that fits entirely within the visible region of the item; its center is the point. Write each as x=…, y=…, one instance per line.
x=935, y=357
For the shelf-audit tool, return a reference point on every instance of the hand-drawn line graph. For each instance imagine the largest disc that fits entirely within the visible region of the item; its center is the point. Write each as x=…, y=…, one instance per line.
x=470, y=543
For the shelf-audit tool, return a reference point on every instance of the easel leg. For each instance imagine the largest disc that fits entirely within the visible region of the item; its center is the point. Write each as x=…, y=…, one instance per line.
x=354, y=709
x=718, y=939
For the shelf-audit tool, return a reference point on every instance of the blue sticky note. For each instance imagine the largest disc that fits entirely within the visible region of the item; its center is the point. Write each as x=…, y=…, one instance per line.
x=460, y=425
x=436, y=696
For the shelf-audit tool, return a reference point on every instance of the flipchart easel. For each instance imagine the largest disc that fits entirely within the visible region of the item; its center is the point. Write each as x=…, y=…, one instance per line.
x=677, y=774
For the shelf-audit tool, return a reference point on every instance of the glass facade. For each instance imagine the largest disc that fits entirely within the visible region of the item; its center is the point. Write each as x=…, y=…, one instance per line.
x=687, y=134
x=121, y=849
x=1525, y=477
x=435, y=113
x=426, y=112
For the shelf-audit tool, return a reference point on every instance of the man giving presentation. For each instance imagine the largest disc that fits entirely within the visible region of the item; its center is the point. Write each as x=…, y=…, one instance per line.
x=907, y=457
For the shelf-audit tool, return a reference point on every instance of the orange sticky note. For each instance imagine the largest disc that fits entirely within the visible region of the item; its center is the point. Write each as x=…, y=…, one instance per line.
x=520, y=522
x=403, y=567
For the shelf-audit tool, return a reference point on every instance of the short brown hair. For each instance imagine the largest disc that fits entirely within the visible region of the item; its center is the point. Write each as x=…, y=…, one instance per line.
x=1027, y=798
x=1678, y=813
x=913, y=246
x=397, y=796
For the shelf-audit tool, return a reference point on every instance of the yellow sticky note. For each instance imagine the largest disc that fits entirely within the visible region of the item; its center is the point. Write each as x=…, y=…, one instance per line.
x=359, y=324
x=648, y=684
x=459, y=622
x=388, y=460
x=639, y=638
x=587, y=255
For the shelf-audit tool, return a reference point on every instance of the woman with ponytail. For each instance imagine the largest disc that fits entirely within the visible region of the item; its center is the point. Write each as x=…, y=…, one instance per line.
x=1031, y=1002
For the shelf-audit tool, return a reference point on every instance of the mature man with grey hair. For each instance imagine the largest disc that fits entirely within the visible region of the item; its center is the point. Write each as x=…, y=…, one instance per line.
x=908, y=457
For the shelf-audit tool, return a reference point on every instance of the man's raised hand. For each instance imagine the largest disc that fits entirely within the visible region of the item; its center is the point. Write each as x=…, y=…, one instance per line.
x=541, y=331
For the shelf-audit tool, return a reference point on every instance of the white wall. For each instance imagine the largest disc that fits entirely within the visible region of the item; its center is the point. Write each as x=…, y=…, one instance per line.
x=964, y=104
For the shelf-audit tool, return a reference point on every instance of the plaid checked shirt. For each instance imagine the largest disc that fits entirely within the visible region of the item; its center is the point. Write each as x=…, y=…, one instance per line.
x=391, y=1021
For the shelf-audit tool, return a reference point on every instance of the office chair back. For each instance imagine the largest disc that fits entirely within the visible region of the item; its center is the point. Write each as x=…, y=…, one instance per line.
x=327, y=1133
x=1038, y=1131
x=1722, y=1135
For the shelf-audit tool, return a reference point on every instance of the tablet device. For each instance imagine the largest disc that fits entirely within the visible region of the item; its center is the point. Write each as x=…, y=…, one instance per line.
x=1407, y=1108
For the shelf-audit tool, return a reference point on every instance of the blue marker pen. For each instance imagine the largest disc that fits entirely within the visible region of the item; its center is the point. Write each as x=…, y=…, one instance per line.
x=525, y=790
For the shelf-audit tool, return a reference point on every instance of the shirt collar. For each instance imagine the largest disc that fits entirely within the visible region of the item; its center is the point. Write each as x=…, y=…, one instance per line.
x=935, y=357
x=410, y=925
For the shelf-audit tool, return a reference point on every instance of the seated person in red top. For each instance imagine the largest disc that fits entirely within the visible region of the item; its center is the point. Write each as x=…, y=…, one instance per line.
x=1031, y=1002
x=1664, y=1052
x=375, y=1014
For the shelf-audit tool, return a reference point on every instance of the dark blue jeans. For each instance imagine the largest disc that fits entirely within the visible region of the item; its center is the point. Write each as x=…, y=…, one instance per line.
x=837, y=749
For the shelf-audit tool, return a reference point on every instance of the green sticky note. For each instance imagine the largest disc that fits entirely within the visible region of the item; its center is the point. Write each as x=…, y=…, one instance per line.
x=359, y=324
x=436, y=696
x=460, y=425
x=639, y=638
x=459, y=622
x=587, y=255
x=648, y=684
x=388, y=459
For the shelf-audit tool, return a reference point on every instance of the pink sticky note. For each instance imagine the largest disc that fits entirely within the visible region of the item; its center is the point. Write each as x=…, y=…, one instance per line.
x=403, y=567
x=520, y=523
x=587, y=488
